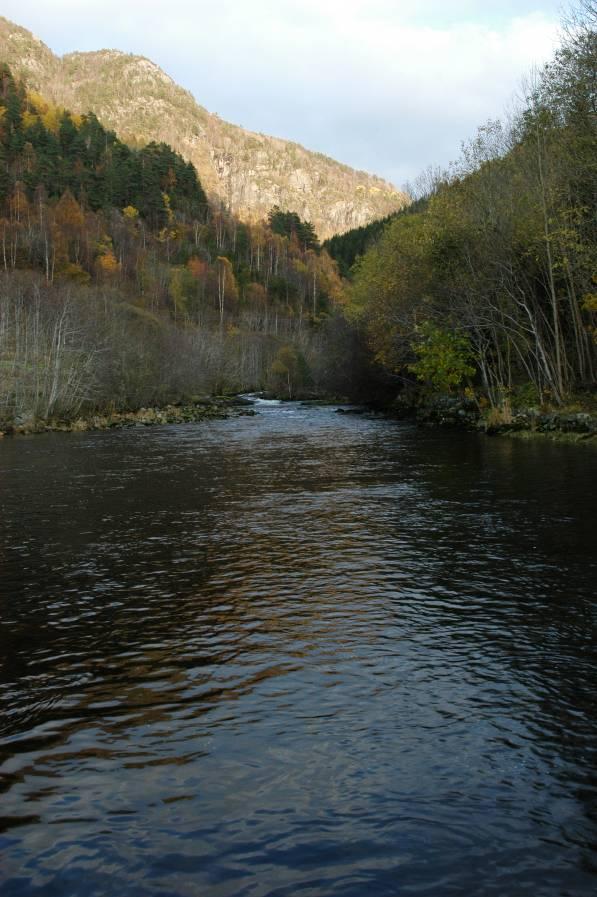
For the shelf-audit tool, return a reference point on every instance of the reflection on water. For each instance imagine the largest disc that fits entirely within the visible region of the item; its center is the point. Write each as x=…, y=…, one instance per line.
x=297, y=653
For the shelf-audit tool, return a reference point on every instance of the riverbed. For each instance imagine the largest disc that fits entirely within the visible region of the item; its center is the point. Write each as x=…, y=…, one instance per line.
x=300, y=653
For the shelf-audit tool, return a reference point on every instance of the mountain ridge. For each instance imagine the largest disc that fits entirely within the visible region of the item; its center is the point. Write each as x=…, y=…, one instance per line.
x=249, y=172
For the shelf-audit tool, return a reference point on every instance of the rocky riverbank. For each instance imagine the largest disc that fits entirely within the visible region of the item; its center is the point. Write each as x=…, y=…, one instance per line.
x=452, y=411
x=204, y=409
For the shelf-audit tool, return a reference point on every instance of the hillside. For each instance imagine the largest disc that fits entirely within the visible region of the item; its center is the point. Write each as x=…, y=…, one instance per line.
x=249, y=172
x=121, y=287
x=346, y=248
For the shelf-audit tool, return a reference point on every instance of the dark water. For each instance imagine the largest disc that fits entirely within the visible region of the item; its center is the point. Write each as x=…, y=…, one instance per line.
x=297, y=654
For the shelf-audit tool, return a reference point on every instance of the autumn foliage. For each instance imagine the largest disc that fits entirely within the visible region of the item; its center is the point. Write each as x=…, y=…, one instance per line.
x=133, y=226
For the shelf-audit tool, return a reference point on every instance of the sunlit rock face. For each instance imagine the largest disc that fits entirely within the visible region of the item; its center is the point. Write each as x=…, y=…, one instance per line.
x=247, y=172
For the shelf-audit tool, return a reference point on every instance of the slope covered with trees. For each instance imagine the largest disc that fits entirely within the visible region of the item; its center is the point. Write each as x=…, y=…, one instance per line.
x=246, y=172
x=120, y=285
x=492, y=285
x=346, y=248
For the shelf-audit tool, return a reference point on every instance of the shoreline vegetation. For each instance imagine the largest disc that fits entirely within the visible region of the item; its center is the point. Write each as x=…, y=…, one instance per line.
x=574, y=424
x=125, y=291
x=122, y=285
x=487, y=283
x=201, y=409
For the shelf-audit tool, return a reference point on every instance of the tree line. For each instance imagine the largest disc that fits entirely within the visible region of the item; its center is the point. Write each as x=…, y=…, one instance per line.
x=489, y=283
x=121, y=283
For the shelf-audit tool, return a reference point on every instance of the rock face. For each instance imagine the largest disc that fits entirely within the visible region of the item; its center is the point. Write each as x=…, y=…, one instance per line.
x=248, y=172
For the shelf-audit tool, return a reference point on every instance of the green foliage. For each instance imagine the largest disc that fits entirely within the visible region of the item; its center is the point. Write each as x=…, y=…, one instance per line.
x=173, y=297
x=289, y=370
x=183, y=289
x=347, y=248
x=525, y=395
x=392, y=289
x=157, y=172
x=289, y=224
x=444, y=358
x=505, y=250
x=81, y=156
x=4, y=175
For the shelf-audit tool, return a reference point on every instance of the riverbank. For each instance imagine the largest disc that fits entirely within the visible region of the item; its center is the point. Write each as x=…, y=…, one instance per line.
x=572, y=424
x=563, y=425
x=209, y=408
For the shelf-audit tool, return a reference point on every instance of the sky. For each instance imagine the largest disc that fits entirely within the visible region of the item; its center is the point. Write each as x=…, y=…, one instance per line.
x=388, y=86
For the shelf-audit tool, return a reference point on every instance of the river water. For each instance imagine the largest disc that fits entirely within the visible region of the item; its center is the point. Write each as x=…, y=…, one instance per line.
x=302, y=653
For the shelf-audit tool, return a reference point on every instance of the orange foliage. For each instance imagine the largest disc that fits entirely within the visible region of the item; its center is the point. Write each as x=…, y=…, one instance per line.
x=256, y=293
x=108, y=264
x=69, y=214
x=197, y=268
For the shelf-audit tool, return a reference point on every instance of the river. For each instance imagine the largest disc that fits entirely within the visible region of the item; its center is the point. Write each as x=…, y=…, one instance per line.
x=301, y=653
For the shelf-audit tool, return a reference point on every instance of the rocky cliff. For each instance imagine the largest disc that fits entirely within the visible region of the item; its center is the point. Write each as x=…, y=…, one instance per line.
x=248, y=172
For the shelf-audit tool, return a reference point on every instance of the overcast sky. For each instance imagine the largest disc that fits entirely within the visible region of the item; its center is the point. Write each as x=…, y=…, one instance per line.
x=390, y=86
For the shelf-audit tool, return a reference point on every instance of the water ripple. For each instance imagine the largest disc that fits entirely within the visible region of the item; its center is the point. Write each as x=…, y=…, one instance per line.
x=300, y=653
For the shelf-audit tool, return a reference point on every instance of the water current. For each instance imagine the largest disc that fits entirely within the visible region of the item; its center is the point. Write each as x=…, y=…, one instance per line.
x=300, y=653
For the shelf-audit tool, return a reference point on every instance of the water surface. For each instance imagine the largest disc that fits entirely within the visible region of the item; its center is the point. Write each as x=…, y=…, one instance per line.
x=302, y=653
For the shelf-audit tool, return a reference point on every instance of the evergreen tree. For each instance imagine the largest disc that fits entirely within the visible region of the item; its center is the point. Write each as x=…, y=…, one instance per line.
x=289, y=224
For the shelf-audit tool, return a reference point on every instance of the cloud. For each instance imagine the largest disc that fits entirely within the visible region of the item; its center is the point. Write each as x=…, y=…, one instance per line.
x=383, y=85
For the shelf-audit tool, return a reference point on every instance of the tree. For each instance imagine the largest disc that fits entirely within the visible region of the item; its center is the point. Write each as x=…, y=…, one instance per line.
x=444, y=358
x=227, y=288
x=289, y=224
x=289, y=368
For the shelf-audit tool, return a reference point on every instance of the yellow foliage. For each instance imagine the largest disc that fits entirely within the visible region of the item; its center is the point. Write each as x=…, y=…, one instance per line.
x=30, y=118
x=168, y=208
x=103, y=245
x=131, y=213
x=108, y=264
x=37, y=103
x=168, y=233
x=51, y=119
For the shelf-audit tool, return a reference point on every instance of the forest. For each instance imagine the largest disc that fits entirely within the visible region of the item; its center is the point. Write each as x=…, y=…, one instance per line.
x=122, y=286
x=488, y=284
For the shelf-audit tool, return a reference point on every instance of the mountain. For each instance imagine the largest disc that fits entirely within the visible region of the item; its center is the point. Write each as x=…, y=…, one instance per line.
x=248, y=172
